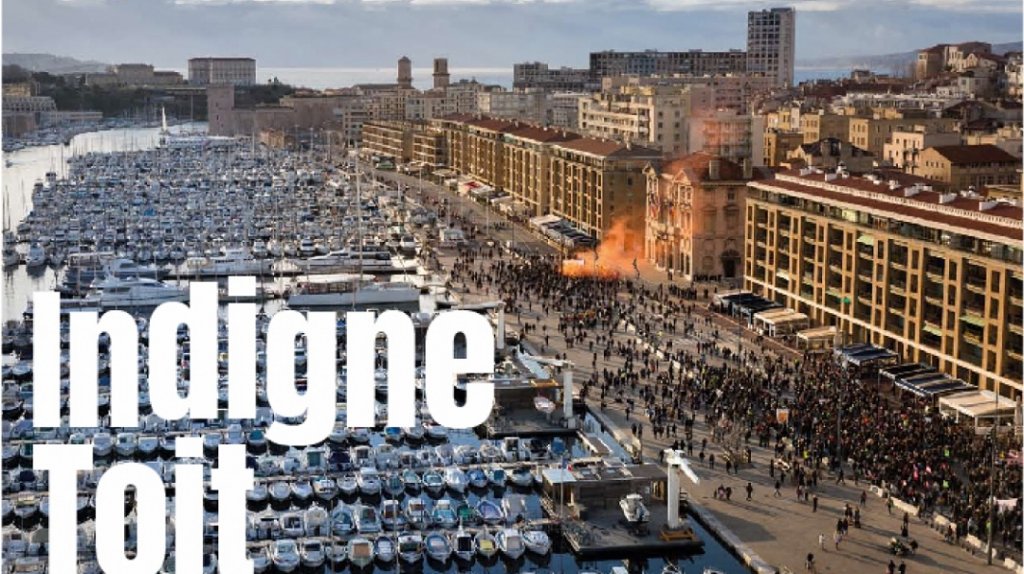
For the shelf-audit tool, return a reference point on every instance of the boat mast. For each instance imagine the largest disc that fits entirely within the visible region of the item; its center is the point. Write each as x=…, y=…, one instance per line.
x=359, y=230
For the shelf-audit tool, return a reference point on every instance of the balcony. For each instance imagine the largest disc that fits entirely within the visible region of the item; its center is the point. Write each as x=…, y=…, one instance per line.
x=898, y=288
x=970, y=337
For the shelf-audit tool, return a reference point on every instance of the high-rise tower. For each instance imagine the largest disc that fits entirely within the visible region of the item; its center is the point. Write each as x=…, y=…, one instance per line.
x=441, y=77
x=771, y=44
x=405, y=73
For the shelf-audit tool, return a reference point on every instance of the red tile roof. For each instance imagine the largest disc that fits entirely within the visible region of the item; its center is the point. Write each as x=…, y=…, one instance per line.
x=985, y=153
x=925, y=205
x=697, y=167
x=608, y=148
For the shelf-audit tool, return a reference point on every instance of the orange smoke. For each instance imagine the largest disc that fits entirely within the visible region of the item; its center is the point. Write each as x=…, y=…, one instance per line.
x=611, y=258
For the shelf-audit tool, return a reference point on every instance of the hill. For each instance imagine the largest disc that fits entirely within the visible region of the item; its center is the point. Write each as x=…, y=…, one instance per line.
x=52, y=64
x=886, y=63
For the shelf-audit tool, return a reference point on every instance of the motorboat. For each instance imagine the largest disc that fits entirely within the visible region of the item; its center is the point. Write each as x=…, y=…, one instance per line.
x=633, y=509
x=135, y=292
x=410, y=547
x=416, y=514
x=490, y=511
x=366, y=519
x=391, y=515
x=486, y=544
x=260, y=557
x=360, y=552
x=385, y=548
x=316, y=521
x=369, y=480
x=393, y=484
x=280, y=492
x=463, y=545
x=122, y=268
x=348, y=484
x=537, y=541
x=437, y=546
x=342, y=522
x=433, y=481
x=325, y=489
x=444, y=514
x=311, y=552
x=292, y=525
x=497, y=476
x=302, y=491
x=102, y=444
x=510, y=542
x=455, y=479
x=257, y=495
x=477, y=478
x=285, y=555
x=411, y=480
x=126, y=445
x=336, y=553
x=36, y=257
x=522, y=476
x=234, y=261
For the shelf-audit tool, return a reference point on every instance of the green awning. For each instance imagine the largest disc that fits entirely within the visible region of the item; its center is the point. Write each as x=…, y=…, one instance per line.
x=782, y=274
x=933, y=329
x=972, y=319
x=866, y=240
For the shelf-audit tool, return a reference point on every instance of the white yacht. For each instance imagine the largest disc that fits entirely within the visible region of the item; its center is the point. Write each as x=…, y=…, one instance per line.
x=36, y=257
x=136, y=292
x=233, y=262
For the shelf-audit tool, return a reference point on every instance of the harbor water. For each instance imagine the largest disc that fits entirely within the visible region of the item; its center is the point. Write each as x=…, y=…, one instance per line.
x=30, y=165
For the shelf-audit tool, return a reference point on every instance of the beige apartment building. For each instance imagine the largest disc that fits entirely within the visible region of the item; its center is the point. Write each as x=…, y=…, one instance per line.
x=936, y=277
x=590, y=182
x=962, y=166
x=649, y=115
x=695, y=207
x=819, y=125
x=391, y=139
x=778, y=144
x=903, y=150
x=872, y=133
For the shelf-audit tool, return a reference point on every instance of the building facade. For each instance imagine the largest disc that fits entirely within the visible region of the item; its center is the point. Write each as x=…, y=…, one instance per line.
x=936, y=277
x=610, y=63
x=904, y=148
x=963, y=166
x=694, y=222
x=771, y=45
x=538, y=75
x=592, y=183
x=234, y=71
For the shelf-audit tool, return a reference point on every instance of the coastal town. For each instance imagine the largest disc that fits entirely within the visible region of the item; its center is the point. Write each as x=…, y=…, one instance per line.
x=742, y=322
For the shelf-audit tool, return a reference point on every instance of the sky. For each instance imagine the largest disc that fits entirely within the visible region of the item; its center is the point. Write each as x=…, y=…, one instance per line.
x=475, y=33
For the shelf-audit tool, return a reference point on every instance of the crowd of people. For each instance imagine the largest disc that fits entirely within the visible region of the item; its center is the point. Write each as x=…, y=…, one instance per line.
x=893, y=442
x=658, y=352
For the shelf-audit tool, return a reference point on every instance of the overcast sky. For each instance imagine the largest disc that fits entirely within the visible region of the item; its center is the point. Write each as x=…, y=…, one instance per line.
x=480, y=33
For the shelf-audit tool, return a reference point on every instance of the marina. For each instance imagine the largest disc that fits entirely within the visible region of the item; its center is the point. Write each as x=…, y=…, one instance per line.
x=541, y=485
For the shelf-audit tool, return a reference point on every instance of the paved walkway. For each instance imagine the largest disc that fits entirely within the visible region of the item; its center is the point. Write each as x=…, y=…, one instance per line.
x=781, y=530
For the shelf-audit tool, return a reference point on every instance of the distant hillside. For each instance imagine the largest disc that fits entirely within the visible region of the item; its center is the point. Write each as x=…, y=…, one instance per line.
x=53, y=64
x=884, y=62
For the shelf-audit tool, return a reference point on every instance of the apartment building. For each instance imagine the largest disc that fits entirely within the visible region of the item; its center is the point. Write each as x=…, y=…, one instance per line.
x=963, y=166
x=654, y=116
x=771, y=45
x=819, y=125
x=590, y=182
x=778, y=144
x=235, y=71
x=833, y=153
x=694, y=223
x=904, y=148
x=936, y=277
x=656, y=63
x=538, y=75
x=872, y=133
x=391, y=139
